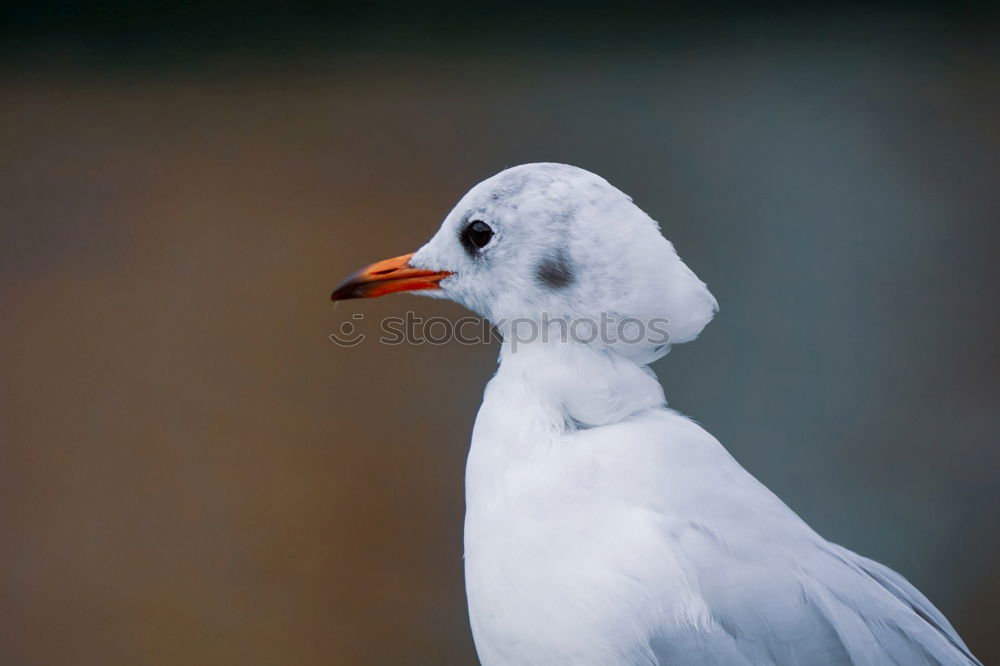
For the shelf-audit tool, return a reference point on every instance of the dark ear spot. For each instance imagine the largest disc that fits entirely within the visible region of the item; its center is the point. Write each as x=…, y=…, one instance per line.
x=555, y=271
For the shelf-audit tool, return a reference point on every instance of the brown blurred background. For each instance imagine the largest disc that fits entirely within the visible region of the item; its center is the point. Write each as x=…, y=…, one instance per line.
x=192, y=473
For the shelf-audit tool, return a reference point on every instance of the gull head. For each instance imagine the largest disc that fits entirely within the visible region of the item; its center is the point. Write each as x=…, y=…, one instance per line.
x=555, y=244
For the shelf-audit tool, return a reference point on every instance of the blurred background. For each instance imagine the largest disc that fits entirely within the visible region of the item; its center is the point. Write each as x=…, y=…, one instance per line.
x=191, y=472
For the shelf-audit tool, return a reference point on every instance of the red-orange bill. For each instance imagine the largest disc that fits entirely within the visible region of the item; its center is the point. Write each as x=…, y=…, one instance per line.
x=386, y=277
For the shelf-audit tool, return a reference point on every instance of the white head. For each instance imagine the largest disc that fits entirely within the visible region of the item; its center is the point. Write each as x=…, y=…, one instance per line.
x=553, y=241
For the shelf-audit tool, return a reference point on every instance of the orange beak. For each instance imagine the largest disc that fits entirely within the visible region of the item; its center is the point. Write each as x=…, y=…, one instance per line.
x=385, y=277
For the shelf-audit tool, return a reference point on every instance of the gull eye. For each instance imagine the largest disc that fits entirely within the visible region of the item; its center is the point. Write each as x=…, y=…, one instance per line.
x=478, y=234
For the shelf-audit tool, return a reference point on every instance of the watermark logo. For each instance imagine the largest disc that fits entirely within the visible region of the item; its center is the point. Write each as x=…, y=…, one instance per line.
x=412, y=329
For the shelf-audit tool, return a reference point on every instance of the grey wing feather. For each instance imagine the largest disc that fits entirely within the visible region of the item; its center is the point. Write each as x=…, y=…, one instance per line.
x=826, y=605
x=903, y=590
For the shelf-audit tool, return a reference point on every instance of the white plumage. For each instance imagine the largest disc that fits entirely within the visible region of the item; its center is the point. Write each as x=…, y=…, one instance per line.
x=603, y=527
x=639, y=540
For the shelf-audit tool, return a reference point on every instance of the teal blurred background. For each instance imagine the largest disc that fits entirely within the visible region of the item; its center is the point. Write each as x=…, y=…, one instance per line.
x=191, y=472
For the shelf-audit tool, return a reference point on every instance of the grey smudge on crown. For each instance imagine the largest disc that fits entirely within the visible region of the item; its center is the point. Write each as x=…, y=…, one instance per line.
x=510, y=186
x=555, y=271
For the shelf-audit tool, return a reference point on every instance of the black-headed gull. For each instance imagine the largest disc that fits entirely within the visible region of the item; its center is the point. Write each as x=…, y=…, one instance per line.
x=601, y=526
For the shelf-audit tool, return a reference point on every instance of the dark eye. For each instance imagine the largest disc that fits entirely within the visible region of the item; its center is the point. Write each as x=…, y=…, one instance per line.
x=478, y=233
